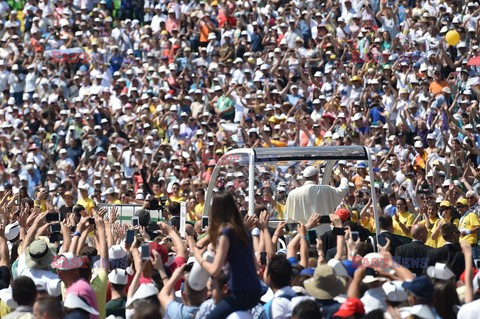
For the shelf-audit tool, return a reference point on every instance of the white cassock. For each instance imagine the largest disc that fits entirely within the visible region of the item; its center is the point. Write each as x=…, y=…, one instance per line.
x=311, y=198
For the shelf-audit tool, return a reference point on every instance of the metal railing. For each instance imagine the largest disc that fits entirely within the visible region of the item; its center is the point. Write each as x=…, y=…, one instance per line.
x=127, y=211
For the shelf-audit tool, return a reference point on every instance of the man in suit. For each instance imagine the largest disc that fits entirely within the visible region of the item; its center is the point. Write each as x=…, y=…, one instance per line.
x=385, y=223
x=450, y=253
x=414, y=255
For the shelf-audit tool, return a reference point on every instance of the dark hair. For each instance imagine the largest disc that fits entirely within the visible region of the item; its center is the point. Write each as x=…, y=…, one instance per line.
x=448, y=230
x=445, y=298
x=385, y=222
x=143, y=217
x=280, y=271
x=77, y=209
x=24, y=291
x=147, y=311
x=195, y=298
x=49, y=305
x=374, y=314
x=174, y=209
x=307, y=309
x=118, y=287
x=224, y=212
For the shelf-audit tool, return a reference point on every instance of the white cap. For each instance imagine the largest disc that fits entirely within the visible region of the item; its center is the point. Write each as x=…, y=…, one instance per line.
x=12, y=230
x=440, y=271
x=418, y=144
x=198, y=277
x=116, y=252
x=144, y=291
x=338, y=267
x=73, y=301
x=118, y=276
x=394, y=291
x=67, y=261
x=310, y=171
x=108, y=191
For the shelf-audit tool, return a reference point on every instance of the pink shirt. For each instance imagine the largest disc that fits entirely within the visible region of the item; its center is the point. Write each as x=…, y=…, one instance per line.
x=83, y=289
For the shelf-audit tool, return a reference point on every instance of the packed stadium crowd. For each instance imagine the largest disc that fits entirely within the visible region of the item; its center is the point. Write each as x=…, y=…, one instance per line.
x=115, y=103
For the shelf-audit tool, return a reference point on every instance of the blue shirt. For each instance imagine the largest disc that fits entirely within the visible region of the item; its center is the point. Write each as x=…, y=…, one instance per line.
x=176, y=309
x=240, y=257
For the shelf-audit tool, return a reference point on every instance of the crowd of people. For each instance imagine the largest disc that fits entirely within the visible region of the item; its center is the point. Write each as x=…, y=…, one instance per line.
x=135, y=102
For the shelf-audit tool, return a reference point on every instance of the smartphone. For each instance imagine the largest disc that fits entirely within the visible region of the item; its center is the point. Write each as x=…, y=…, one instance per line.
x=312, y=236
x=291, y=227
x=55, y=228
x=52, y=217
x=354, y=235
x=204, y=222
x=263, y=258
x=145, y=251
x=325, y=219
x=188, y=267
x=130, y=236
x=135, y=221
x=91, y=221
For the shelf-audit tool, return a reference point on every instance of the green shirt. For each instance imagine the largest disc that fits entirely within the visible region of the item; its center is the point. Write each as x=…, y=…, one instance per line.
x=223, y=103
x=116, y=307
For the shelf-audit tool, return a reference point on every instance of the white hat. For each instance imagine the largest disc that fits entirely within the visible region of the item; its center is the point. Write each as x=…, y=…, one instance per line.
x=394, y=291
x=440, y=271
x=310, y=171
x=144, y=291
x=108, y=191
x=118, y=276
x=67, y=261
x=116, y=252
x=418, y=144
x=198, y=277
x=431, y=136
x=338, y=267
x=73, y=301
x=357, y=116
x=84, y=187
x=12, y=230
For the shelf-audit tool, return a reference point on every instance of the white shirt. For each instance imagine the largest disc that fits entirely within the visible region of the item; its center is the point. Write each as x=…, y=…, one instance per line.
x=374, y=299
x=282, y=307
x=310, y=198
x=30, y=82
x=469, y=310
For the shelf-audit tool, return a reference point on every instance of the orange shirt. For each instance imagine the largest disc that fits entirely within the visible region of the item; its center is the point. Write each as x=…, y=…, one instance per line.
x=437, y=86
x=204, y=31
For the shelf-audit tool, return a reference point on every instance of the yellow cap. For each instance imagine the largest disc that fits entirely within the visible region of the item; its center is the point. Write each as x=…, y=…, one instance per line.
x=445, y=203
x=355, y=78
x=463, y=201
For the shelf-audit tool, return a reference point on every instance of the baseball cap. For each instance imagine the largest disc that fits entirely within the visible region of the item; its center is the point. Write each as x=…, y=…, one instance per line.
x=118, y=276
x=440, y=271
x=350, y=307
x=421, y=287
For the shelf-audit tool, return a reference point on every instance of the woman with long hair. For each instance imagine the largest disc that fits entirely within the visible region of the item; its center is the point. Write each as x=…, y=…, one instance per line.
x=233, y=245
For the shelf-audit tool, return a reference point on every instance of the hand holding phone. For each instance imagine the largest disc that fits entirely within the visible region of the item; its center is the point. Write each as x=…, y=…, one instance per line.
x=130, y=236
x=135, y=222
x=204, y=222
x=145, y=251
x=55, y=228
x=355, y=235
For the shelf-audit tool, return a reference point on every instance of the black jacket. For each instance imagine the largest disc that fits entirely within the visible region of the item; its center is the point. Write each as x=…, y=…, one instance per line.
x=413, y=256
x=450, y=254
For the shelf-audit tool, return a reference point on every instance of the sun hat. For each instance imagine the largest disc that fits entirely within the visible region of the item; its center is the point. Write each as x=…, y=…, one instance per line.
x=38, y=255
x=325, y=284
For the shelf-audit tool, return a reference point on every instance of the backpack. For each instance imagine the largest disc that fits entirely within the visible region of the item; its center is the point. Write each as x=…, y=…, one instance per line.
x=268, y=305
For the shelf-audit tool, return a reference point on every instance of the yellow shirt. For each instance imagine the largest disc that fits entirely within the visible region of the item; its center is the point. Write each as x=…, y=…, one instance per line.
x=198, y=211
x=468, y=222
x=439, y=241
x=88, y=203
x=178, y=199
x=430, y=241
x=407, y=219
x=368, y=224
x=280, y=208
x=117, y=202
x=4, y=310
x=99, y=285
